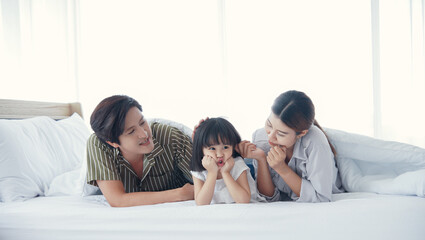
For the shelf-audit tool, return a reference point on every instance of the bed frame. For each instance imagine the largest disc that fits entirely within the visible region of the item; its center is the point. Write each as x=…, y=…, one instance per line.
x=21, y=109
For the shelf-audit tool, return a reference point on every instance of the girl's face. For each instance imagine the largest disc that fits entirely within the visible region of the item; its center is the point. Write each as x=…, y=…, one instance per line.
x=136, y=140
x=220, y=152
x=279, y=134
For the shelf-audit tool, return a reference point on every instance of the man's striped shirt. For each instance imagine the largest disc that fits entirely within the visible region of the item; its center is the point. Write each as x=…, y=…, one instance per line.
x=166, y=167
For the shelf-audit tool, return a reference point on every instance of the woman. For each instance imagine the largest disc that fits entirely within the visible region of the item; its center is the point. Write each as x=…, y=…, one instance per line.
x=295, y=160
x=134, y=163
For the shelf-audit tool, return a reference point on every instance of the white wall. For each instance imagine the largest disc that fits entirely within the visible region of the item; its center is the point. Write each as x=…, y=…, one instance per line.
x=188, y=59
x=229, y=58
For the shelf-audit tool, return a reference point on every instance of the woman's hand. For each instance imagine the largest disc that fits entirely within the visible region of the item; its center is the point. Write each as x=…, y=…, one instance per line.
x=228, y=165
x=276, y=158
x=248, y=150
x=209, y=164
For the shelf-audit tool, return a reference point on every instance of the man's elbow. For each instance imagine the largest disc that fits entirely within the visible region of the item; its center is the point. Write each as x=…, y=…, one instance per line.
x=117, y=204
x=118, y=201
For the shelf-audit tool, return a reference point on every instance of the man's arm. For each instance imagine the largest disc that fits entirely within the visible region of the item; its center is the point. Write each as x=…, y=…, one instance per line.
x=117, y=197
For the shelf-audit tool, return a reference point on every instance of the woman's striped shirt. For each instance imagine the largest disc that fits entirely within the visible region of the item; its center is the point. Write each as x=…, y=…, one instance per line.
x=166, y=167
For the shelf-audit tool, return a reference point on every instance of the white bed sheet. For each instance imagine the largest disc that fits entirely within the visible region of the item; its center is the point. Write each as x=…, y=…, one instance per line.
x=350, y=216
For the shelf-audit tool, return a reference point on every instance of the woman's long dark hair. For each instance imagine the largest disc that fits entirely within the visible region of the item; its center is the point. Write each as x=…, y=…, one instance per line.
x=212, y=132
x=296, y=110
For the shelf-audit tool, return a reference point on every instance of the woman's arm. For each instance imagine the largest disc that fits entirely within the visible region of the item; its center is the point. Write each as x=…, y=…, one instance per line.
x=276, y=160
x=291, y=179
x=265, y=183
x=117, y=197
x=264, y=180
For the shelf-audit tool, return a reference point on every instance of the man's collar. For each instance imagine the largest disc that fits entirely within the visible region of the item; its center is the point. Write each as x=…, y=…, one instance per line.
x=157, y=149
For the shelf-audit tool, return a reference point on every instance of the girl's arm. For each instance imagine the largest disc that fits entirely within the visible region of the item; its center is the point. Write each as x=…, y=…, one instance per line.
x=204, y=191
x=239, y=189
x=117, y=197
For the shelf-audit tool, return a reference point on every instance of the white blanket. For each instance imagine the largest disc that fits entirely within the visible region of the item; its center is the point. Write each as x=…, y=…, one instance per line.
x=350, y=216
x=371, y=165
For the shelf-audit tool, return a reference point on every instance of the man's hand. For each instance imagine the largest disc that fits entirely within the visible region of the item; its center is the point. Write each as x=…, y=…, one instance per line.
x=187, y=192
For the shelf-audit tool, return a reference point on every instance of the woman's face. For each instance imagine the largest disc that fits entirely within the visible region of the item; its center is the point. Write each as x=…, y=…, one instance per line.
x=136, y=139
x=278, y=133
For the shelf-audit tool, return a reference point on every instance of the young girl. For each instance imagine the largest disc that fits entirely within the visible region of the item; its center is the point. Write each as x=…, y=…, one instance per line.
x=294, y=157
x=220, y=174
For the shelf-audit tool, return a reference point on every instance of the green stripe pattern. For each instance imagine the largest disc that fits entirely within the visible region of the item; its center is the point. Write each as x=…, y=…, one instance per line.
x=166, y=167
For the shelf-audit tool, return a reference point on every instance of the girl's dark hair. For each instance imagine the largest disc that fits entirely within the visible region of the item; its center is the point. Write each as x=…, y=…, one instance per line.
x=296, y=110
x=212, y=132
x=108, y=118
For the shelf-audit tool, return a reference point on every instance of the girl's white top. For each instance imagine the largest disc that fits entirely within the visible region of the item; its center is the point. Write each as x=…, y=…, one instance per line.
x=221, y=193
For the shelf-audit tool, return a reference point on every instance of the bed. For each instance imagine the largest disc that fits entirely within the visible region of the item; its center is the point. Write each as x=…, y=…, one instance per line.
x=43, y=195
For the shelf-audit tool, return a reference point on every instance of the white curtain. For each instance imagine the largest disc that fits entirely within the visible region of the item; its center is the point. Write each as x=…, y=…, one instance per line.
x=362, y=62
x=402, y=71
x=164, y=53
x=320, y=47
x=188, y=59
x=38, y=50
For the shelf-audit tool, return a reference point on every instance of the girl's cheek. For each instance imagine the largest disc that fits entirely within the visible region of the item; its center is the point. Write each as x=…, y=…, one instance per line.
x=204, y=151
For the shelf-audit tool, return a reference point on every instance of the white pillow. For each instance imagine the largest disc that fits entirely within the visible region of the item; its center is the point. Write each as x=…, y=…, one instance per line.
x=74, y=182
x=36, y=150
x=368, y=164
x=369, y=149
x=180, y=126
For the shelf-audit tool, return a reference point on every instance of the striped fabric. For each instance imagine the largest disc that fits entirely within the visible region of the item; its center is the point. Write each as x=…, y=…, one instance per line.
x=166, y=167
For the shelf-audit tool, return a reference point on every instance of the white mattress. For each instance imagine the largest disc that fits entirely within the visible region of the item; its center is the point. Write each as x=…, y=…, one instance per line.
x=350, y=216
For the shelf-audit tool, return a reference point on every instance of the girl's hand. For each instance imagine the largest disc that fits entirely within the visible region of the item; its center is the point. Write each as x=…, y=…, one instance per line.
x=276, y=158
x=209, y=164
x=228, y=165
x=248, y=150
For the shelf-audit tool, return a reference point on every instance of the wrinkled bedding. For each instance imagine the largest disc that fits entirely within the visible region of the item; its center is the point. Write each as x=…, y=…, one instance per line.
x=371, y=165
x=349, y=216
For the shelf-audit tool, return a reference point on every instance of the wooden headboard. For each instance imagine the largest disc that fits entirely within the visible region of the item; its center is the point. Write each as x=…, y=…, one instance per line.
x=20, y=109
